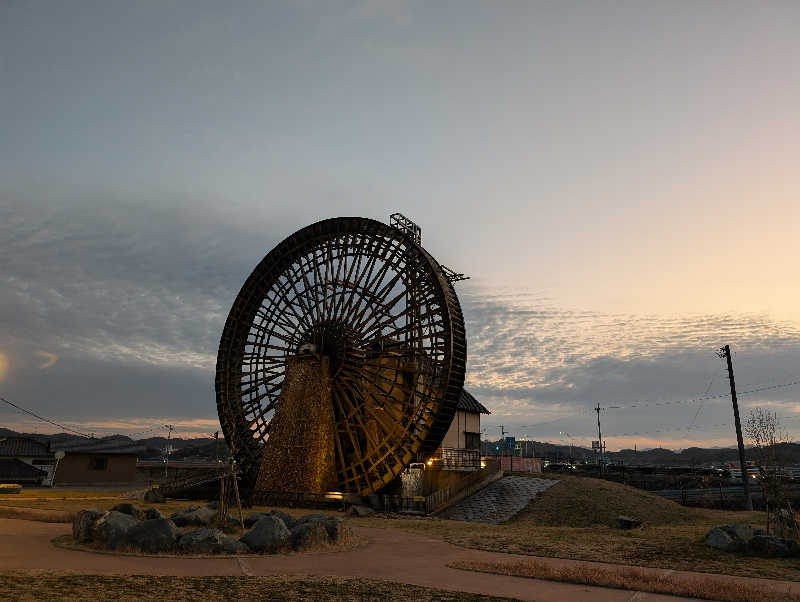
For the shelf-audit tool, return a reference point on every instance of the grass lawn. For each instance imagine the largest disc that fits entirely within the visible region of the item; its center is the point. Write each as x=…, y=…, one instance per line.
x=137, y=587
x=572, y=520
x=65, y=502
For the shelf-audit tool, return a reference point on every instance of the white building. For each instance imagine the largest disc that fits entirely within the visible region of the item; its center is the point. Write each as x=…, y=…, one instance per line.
x=461, y=446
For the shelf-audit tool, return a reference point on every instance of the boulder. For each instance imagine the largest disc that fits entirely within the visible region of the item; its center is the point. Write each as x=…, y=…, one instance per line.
x=153, y=496
x=83, y=525
x=743, y=533
x=268, y=535
x=252, y=518
x=202, y=541
x=626, y=522
x=314, y=517
x=772, y=547
x=151, y=513
x=337, y=532
x=309, y=535
x=234, y=546
x=721, y=539
x=130, y=509
x=153, y=535
x=112, y=528
x=287, y=519
x=359, y=510
x=200, y=516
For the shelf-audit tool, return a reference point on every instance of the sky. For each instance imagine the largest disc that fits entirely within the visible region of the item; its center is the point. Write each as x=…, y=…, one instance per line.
x=619, y=179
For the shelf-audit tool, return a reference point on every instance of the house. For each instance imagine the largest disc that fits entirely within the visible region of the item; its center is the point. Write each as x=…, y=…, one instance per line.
x=25, y=460
x=105, y=461
x=461, y=445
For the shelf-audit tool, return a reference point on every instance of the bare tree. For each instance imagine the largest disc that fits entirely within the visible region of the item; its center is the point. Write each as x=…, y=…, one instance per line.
x=765, y=433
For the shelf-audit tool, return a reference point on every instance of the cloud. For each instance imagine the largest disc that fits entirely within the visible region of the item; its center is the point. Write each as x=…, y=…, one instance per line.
x=541, y=368
x=49, y=359
x=130, y=300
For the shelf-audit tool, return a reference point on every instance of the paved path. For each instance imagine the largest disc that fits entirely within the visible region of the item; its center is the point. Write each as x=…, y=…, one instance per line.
x=388, y=554
x=499, y=501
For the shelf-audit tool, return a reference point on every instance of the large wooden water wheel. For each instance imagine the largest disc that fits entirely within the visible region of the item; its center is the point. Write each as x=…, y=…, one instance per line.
x=366, y=296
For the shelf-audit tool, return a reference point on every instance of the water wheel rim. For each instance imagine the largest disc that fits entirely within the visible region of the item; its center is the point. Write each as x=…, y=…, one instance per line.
x=298, y=294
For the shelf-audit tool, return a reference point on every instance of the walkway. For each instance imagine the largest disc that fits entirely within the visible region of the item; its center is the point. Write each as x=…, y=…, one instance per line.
x=389, y=554
x=499, y=501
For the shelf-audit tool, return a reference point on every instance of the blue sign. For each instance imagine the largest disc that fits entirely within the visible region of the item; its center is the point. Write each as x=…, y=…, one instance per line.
x=510, y=442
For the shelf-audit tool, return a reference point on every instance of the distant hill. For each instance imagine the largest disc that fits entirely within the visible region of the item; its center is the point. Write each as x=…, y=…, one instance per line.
x=697, y=456
x=154, y=446
x=205, y=447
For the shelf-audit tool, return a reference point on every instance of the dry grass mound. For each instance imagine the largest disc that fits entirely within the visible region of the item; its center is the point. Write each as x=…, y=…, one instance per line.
x=140, y=587
x=37, y=514
x=584, y=502
x=706, y=587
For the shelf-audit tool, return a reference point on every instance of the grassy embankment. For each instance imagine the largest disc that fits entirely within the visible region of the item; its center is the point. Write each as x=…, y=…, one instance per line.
x=572, y=519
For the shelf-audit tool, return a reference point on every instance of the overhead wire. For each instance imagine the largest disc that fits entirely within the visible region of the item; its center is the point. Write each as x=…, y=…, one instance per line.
x=43, y=419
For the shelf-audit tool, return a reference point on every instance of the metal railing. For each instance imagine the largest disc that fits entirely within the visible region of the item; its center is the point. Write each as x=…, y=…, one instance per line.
x=456, y=457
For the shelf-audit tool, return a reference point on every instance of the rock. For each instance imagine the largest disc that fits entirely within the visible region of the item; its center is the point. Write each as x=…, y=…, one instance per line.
x=83, y=525
x=314, y=517
x=268, y=535
x=308, y=535
x=151, y=513
x=130, y=509
x=337, y=532
x=288, y=520
x=721, y=539
x=626, y=522
x=202, y=541
x=744, y=533
x=359, y=510
x=112, y=528
x=153, y=496
x=234, y=546
x=200, y=516
x=772, y=547
x=252, y=518
x=153, y=535
x=333, y=525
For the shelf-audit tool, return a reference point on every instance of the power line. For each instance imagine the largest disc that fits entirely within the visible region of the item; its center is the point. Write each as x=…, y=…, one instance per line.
x=638, y=404
x=43, y=419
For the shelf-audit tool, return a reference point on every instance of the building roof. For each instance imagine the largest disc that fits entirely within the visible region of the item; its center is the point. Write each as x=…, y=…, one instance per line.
x=23, y=447
x=115, y=444
x=468, y=403
x=12, y=468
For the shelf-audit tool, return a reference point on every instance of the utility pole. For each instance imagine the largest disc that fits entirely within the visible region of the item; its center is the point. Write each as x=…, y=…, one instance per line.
x=503, y=432
x=166, y=460
x=599, y=437
x=725, y=352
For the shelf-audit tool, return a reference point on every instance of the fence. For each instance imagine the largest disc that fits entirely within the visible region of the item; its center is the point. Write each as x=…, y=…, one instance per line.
x=518, y=464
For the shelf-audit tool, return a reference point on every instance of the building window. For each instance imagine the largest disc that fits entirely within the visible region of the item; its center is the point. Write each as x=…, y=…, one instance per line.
x=472, y=440
x=98, y=463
